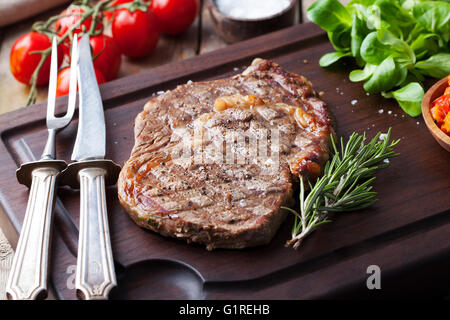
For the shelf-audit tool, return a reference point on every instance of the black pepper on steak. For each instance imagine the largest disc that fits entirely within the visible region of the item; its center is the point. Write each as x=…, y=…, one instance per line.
x=218, y=203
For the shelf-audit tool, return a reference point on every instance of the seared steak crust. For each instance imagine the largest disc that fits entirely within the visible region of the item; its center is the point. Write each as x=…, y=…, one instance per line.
x=215, y=201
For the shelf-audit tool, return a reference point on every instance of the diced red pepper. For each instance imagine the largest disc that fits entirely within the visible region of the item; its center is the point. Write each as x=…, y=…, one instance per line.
x=438, y=114
x=447, y=91
x=440, y=110
x=446, y=126
x=444, y=102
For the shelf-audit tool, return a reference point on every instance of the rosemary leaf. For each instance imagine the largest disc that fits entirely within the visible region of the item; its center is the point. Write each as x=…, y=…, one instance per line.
x=345, y=184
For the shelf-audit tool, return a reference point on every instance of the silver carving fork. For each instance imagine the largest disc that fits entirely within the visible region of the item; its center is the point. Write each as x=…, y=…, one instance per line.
x=28, y=277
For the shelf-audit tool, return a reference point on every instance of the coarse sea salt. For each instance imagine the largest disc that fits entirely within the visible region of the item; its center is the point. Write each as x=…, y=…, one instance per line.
x=353, y=102
x=251, y=9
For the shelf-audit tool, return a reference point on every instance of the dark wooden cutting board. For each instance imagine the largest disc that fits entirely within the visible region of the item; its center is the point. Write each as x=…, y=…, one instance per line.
x=407, y=233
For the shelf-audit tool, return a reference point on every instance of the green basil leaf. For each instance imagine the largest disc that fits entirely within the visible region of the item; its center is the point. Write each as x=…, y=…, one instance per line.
x=385, y=76
x=437, y=66
x=425, y=44
x=410, y=98
x=412, y=76
x=407, y=4
x=364, y=3
x=434, y=16
x=400, y=50
x=329, y=15
x=340, y=38
x=358, y=34
x=330, y=58
x=393, y=13
x=373, y=51
x=364, y=74
x=395, y=43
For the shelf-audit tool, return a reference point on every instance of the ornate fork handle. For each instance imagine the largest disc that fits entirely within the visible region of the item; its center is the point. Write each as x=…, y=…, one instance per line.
x=28, y=278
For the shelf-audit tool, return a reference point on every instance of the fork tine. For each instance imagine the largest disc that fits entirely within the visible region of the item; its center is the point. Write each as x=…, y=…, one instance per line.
x=52, y=85
x=73, y=79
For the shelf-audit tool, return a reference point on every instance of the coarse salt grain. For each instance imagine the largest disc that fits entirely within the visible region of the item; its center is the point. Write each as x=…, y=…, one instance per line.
x=353, y=102
x=383, y=136
x=380, y=111
x=251, y=9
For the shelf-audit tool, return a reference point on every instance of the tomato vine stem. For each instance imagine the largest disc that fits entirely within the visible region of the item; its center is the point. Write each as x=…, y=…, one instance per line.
x=95, y=11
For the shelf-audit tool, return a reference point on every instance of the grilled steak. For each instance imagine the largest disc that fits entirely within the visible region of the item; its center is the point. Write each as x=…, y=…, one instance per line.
x=214, y=161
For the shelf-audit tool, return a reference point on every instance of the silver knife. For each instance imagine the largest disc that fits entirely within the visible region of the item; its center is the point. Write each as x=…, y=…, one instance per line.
x=95, y=276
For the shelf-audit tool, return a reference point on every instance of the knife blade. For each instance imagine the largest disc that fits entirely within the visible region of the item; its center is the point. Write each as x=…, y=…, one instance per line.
x=95, y=276
x=90, y=142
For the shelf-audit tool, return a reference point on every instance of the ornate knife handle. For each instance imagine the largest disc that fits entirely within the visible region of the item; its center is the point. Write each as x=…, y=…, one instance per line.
x=95, y=275
x=95, y=266
x=28, y=276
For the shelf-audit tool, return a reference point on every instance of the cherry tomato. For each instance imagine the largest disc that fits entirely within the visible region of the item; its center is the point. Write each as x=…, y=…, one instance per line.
x=110, y=14
x=72, y=16
x=175, y=16
x=106, y=55
x=136, y=33
x=63, y=81
x=23, y=64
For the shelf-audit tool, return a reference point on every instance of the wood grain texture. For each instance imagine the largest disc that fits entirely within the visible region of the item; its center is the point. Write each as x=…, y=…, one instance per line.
x=396, y=233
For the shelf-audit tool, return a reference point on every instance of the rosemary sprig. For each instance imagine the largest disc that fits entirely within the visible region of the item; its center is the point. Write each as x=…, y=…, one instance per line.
x=345, y=184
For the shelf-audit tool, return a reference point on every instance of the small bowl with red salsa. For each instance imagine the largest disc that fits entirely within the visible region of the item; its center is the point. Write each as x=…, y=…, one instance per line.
x=436, y=111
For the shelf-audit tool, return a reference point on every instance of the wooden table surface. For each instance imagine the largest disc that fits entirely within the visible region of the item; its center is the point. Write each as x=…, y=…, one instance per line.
x=198, y=39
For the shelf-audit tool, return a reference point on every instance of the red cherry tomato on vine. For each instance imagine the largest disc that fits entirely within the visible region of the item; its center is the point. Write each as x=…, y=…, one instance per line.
x=63, y=81
x=110, y=14
x=71, y=17
x=175, y=16
x=23, y=64
x=106, y=55
x=136, y=33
